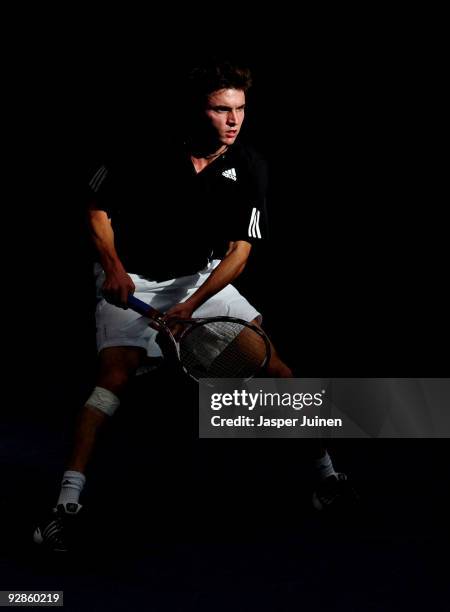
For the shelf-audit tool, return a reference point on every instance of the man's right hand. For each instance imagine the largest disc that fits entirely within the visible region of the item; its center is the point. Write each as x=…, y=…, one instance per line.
x=117, y=287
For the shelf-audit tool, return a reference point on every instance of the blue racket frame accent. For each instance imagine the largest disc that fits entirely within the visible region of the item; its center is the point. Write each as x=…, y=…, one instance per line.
x=141, y=307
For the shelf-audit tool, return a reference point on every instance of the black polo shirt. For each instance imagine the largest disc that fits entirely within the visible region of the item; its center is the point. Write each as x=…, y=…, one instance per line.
x=169, y=221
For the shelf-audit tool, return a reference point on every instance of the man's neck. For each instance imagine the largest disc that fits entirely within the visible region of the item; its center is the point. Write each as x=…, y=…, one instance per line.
x=201, y=158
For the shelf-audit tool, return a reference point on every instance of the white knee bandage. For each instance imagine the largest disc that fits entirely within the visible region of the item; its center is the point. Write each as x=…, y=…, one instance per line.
x=103, y=400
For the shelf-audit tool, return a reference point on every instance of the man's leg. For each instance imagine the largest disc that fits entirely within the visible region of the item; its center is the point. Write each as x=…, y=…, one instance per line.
x=116, y=366
x=317, y=451
x=276, y=368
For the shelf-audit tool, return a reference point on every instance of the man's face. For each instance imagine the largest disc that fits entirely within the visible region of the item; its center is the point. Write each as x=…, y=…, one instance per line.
x=225, y=112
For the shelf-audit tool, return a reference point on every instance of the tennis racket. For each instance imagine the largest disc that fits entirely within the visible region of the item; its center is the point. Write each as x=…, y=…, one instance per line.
x=214, y=347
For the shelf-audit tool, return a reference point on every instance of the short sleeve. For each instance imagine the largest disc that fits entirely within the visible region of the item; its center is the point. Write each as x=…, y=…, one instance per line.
x=250, y=223
x=99, y=188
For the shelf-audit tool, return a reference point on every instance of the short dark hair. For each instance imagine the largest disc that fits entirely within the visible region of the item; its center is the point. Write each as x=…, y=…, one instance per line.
x=216, y=74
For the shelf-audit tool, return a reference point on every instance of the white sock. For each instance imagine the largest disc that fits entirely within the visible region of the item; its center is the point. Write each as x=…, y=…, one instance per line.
x=71, y=487
x=324, y=467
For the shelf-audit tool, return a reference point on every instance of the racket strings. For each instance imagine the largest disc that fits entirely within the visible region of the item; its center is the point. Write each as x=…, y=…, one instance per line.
x=223, y=349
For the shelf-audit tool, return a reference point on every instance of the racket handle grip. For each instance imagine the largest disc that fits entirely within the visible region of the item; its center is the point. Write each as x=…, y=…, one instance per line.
x=142, y=308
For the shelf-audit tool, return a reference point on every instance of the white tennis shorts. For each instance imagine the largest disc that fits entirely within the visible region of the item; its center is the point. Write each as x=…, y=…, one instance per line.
x=119, y=327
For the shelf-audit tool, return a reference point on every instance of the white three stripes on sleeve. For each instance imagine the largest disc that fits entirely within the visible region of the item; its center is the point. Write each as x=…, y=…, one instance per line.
x=98, y=178
x=253, y=228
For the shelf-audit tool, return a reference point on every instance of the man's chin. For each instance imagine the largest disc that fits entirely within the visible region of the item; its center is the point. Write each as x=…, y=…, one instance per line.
x=228, y=140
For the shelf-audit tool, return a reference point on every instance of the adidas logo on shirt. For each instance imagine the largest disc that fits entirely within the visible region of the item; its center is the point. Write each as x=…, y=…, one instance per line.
x=253, y=227
x=231, y=174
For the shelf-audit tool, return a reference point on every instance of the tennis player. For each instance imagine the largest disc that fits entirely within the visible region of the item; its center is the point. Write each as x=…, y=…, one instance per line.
x=174, y=228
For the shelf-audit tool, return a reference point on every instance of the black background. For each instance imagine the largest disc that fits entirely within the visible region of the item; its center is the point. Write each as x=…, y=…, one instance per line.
x=352, y=283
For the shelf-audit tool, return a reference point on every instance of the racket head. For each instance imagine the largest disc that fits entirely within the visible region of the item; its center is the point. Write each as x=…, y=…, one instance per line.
x=216, y=347
x=222, y=347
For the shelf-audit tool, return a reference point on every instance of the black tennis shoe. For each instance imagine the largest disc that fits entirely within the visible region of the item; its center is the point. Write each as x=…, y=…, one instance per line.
x=56, y=531
x=333, y=492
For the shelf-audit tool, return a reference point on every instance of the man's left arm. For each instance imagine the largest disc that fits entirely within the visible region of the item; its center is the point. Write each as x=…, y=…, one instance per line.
x=226, y=272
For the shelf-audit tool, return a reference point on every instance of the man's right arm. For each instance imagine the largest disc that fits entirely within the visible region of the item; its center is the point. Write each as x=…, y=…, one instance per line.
x=118, y=284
